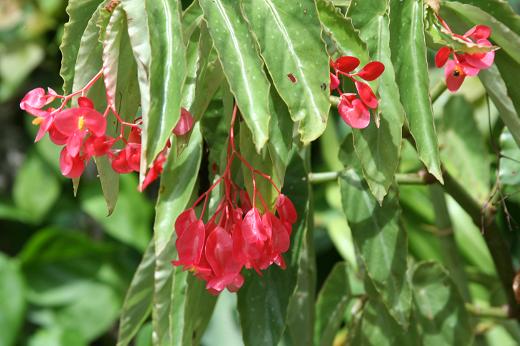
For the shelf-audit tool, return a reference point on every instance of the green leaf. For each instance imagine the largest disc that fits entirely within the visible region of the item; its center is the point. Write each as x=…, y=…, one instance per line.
x=174, y=317
x=408, y=46
x=241, y=63
x=131, y=222
x=12, y=300
x=36, y=188
x=335, y=295
x=508, y=171
x=138, y=300
x=379, y=147
x=440, y=311
x=76, y=284
x=167, y=74
x=498, y=92
x=289, y=36
x=111, y=51
x=499, y=9
x=460, y=137
x=377, y=326
x=381, y=242
x=55, y=336
x=300, y=313
x=80, y=12
x=501, y=34
x=341, y=32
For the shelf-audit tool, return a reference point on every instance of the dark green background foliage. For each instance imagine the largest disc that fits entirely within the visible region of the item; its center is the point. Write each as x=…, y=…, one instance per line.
x=378, y=257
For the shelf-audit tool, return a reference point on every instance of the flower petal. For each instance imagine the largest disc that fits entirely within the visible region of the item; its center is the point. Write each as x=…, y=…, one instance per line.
x=354, y=113
x=478, y=32
x=367, y=95
x=371, y=71
x=185, y=123
x=442, y=56
x=346, y=63
x=454, y=74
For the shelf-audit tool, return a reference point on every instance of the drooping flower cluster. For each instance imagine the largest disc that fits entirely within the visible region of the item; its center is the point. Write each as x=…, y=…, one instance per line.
x=464, y=64
x=81, y=130
x=238, y=235
x=354, y=108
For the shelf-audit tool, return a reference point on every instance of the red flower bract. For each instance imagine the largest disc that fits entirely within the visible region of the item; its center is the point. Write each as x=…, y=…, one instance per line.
x=238, y=235
x=464, y=64
x=352, y=110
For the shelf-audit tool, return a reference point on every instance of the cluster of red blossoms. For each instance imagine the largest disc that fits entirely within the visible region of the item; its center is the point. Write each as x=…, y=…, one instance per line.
x=464, y=64
x=354, y=108
x=82, y=132
x=238, y=234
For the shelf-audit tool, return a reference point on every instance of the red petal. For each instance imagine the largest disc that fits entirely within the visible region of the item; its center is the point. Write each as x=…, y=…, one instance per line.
x=371, y=71
x=185, y=123
x=71, y=167
x=442, y=56
x=252, y=227
x=334, y=82
x=94, y=121
x=479, y=32
x=191, y=244
x=455, y=75
x=185, y=220
x=286, y=209
x=74, y=142
x=66, y=121
x=346, y=63
x=85, y=102
x=354, y=113
x=366, y=95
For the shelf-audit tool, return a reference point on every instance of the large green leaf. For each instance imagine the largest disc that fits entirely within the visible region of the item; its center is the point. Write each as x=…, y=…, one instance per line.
x=300, y=313
x=138, y=300
x=377, y=327
x=408, y=46
x=460, y=137
x=381, y=242
x=440, y=311
x=289, y=36
x=12, y=300
x=76, y=284
x=174, y=318
x=167, y=74
x=379, y=147
x=332, y=303
x=499, y=9
x=499, y=93
x=241, y=63
x=80, y=12
x=36, y=188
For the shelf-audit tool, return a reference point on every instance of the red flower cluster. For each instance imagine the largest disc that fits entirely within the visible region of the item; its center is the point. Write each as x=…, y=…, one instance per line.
x=82, y=132
x=354, y=108
x=238, y=235
x=464, y=64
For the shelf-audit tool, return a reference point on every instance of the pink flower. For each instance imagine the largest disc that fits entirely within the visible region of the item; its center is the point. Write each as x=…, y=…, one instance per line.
x=465, y=64
x=353, y=110
x=76, y=123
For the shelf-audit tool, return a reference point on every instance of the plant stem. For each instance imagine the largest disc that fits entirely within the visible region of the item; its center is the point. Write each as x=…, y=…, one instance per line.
x=488, y=312
x=438, y=90
x=447, y=241
x=419, y=178
x=500, y=252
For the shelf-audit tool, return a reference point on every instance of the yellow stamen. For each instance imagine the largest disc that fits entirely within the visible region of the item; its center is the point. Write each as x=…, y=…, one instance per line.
x=81, y=123
x=37, y=120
